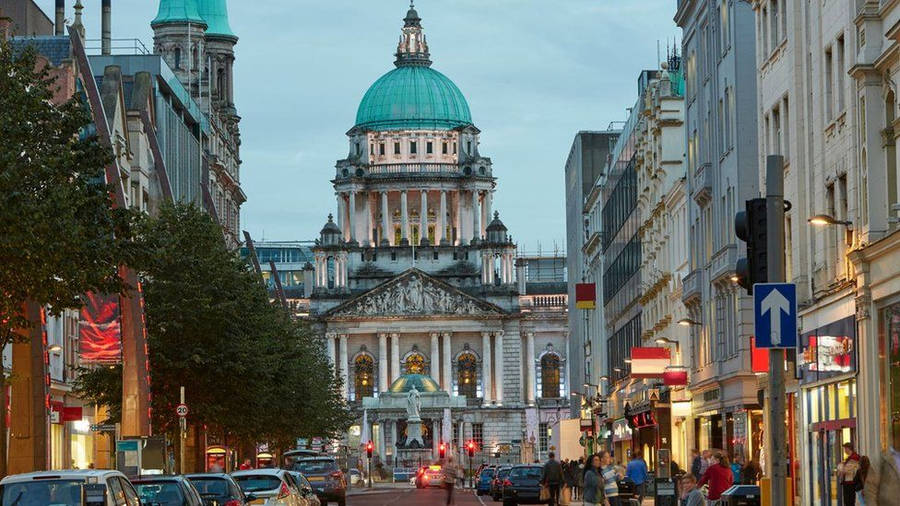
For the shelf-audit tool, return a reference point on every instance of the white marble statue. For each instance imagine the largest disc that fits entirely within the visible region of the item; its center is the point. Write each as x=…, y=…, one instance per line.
x=413, y=405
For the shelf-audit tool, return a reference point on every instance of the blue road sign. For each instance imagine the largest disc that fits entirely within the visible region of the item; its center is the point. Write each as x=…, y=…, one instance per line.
x=775, y=315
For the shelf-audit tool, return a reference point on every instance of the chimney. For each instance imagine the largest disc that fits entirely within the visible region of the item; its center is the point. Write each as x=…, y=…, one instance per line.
x=106, y=28
x=60, y=24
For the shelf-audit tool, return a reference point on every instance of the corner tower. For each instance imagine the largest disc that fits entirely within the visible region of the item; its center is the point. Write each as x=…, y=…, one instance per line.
x=220, y=42
x=178, y=35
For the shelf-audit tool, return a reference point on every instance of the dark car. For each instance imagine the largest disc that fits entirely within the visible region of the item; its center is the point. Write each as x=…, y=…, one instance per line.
x=326, y=478
x=166, y=491
x=218, y=489
x=522, y=485
x=485, y=476
x=497, y=482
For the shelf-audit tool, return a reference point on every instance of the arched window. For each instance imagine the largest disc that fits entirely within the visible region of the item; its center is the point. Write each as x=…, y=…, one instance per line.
x=364, y=376
x=466, y=375
x=177, y=57
x=415, y=364
x=550, y=375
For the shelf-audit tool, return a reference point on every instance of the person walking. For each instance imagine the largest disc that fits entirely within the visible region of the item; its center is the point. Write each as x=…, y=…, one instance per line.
x=610, y=477
x=846, y=474
x=690, y=494
x=552, y=478
x=718, y=476
x=449, y=471
x=696, y=465
x=579, y=478
x=637, y=472
x=569, y=482
x=593, y=484
x=883, y=481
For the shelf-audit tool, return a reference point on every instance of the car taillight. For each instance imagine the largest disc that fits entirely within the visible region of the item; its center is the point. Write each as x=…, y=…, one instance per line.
x=284, y=492
x=233, y=502
x=422, y=470
x=507, y=483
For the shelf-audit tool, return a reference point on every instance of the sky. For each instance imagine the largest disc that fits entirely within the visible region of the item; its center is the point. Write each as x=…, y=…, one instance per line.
x=534, y=72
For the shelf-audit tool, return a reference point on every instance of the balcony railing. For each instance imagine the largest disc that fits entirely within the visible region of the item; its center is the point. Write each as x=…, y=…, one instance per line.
x=406, y=168
x=692, y=285
x=701, y=186
x=723, y=262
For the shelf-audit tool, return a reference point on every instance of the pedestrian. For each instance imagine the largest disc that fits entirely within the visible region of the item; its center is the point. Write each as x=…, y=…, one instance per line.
x=882, y=484
x=736, y=468
x=860, y=482
x=579, y=479
x=552, y=478
x=593, y=483
x=246, y=465
x=750, y=473
x=690, y=494
x=705, y=460
x=718, y=476
x=449, y=471
x=571, y=481
x=637, y=472
x=610, y=479
x=846, y=474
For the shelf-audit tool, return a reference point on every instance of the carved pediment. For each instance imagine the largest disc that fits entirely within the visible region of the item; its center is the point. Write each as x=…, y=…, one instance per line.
x=415, y=293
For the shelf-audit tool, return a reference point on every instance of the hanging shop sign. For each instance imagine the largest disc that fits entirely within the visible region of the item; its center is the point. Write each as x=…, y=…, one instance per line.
x=621, y=431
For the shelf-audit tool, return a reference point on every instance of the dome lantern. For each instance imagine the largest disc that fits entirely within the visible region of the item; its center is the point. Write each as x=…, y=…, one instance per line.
x=331, y=233
x=496, y=230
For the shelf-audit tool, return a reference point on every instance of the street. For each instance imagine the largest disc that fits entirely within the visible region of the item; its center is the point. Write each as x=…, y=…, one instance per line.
x=409, y=496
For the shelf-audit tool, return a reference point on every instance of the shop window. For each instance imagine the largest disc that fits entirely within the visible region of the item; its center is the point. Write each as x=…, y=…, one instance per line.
x=466, y=375
x=415, y=364
x=550, y=376
x=890, y=394
x=364, y=373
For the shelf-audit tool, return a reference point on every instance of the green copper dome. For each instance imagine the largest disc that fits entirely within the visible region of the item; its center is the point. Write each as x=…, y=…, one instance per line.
x=177, y=11
x=413, y=97
x=215, y=12
x=423, y=384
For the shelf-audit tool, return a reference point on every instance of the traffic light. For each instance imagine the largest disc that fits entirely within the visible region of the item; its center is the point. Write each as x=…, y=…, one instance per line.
x=442, y=449
x=470, y=447
x=369, y=449
x=751, y=227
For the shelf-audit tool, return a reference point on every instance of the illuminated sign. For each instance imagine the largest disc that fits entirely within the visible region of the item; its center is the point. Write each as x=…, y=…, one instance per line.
x=828, y=351
x=100, y=330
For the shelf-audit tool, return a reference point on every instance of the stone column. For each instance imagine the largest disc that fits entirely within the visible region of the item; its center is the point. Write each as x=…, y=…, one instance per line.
x=529, y=368
x=395, y=356
x=404, y=217
x=448, y=361
x=423, y=216
x=341, y=211
x=382, y=434
x=486, y=367
x=487, y=211
x=342, y=367
x=386, y=233
x=435, y=437
x=441, y=224
x=370, y=240
x=447, y=433
x=329, y=348
x=435, y=357
x=457, y=220
x=498, y=367
x=352, y=216
x=476, y=215
x=382, y=363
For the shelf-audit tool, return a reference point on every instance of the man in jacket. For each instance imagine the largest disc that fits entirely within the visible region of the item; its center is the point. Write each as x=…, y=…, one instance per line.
x=882, y=487
x=696, y=464
x=638, y=473
x=552, y=477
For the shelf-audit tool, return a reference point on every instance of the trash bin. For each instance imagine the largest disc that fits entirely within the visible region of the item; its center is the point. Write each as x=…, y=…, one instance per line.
x=742, y=495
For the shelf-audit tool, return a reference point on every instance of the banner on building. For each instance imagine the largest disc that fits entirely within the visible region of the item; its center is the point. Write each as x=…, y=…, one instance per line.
x=650, y=362
x=585, y=296
x=675, y=377
x=100, y=330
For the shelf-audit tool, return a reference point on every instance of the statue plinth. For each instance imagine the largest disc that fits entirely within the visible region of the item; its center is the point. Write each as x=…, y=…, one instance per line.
x=414, y=433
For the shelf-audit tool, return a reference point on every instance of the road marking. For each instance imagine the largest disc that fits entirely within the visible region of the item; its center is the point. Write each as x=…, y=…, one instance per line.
x=479, y=499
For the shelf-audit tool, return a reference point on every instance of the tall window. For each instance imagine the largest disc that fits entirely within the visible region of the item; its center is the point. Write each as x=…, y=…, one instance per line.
x=364, y=372
x=429, y=147
x=412, y=147
x=829, y=63
x=550, y=376
x=444, y=148
x=415, y=364
x=381, y=149
x=478, y=435
x=774, y=31
x=725, y=28
x=396, y=148
x=840, y=73
x=543, y=439
x=466, y=375
x=177, y=57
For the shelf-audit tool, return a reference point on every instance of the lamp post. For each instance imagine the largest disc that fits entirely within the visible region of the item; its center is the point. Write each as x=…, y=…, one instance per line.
x=687, y=322
x=825, y=220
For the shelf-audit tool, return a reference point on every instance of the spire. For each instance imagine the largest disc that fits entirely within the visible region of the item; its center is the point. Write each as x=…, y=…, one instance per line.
x=413, y=48
x=77, y=24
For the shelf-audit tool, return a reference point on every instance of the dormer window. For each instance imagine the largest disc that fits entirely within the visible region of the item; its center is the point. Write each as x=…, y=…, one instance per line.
x=412, y=147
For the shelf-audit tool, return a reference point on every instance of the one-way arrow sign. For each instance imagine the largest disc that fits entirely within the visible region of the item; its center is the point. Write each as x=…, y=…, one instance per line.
x=775, y=315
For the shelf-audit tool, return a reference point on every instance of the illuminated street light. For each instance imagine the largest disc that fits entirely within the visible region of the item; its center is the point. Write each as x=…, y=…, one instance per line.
x=666, y=340
x=821, y=220
x=55, y=348
x=687, y=322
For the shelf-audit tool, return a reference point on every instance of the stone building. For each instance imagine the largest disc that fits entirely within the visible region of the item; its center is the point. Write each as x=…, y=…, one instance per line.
x=415, y=274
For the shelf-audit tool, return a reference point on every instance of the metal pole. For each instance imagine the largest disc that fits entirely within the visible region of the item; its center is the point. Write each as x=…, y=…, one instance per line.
x=775, y=261
x=182, y=424
x=370, y=471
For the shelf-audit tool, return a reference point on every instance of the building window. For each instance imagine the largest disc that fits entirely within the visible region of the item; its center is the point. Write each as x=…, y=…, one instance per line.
x=177, y=58
x=456, y=436
x=466, y=375
x=543, y=438
x=364, y=372
x=478, y=435
x=840, y=74
x=469, y=147
x=412, y=147
x=371, y=149
x=829, y=82
x=444, y=149
x=381, y=149
x=396, y=148
x=454, y=148
x=415, y=364
x=429, y=147
x=550, y=376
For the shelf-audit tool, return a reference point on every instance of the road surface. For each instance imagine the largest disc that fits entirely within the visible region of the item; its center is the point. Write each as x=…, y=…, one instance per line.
x=411, y=497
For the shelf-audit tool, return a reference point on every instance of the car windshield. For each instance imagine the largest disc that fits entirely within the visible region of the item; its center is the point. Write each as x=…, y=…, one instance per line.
x=531, y=473
x=256, y=482
x=211, y=486
x=42, y=493
x=503, y=473
x=162, y=493
x=322, y=466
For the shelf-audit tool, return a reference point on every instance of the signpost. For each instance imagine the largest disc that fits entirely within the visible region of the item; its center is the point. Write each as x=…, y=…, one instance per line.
x=182, y=411
x=775, y=315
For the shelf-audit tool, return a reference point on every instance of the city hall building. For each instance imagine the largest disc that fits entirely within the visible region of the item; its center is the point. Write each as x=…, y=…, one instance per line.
x=416, y=281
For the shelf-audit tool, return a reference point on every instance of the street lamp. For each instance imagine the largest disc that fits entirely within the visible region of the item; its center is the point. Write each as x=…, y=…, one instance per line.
x=687, y=322
x=627, y=360
x=825, y=220
x=666, y=340
x=54, y=348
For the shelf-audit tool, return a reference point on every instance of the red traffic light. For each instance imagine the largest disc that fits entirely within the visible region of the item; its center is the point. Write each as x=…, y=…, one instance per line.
x=442, y=449
x=369, y=449
x=470, y=447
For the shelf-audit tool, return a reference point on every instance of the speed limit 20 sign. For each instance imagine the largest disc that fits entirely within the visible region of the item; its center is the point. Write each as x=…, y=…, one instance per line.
x=181, y=410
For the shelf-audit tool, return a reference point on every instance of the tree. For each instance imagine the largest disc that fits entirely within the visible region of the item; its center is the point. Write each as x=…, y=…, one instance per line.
x=59, y=236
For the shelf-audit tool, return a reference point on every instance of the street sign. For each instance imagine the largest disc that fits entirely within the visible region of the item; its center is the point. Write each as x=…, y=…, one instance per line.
x=775, y=315
x=103, y=427
x=181, y=410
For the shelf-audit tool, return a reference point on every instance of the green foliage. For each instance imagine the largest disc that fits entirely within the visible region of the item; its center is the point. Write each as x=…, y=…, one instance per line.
x=101, y=386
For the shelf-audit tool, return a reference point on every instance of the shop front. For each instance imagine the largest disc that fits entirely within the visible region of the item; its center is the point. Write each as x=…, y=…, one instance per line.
x=827, y=368
x=890, y=374
x=622, y=436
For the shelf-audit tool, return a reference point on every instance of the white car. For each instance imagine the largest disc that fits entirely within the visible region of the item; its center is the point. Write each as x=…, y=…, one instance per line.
x=269, y=487
x=65, y=488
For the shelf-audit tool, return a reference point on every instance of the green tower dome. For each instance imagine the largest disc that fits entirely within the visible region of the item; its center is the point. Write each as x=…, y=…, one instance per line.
x=423, y=383
x=413, y=97
x=178, y=11
x=215, y=13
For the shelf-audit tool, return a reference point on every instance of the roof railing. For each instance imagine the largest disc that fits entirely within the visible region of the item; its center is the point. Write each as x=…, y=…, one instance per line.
x=117, y=46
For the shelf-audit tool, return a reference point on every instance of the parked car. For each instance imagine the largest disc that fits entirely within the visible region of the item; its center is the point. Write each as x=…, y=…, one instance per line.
x=217, y=489
x=160, y=490
x=305, y=488
x=269, y=487
x=326, y=478
x=433, y=476
x=522, y=485
x=291, y=456
x=497, y=482
x=66, y=488
x=485, y=476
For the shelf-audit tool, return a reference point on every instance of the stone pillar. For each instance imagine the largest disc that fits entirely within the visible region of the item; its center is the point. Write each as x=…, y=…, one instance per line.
x=382, y=433
x=869, y=380
x=435, y=357
x=486, y=212
x=498, y=367
x=341, y=212
x=370, y=240
x=352, y=216
x=476, y=215
x=383, y=384
x=529, y=368
x=423, y=216
x=486, y=367
x=457, y=220
x=404, y=219
x=448, y=361
x=386, y=233
x=342, y=367
x=447, y=433
x=395, y=356
x=435, y=437
x=441, y=223
x=329, y=348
